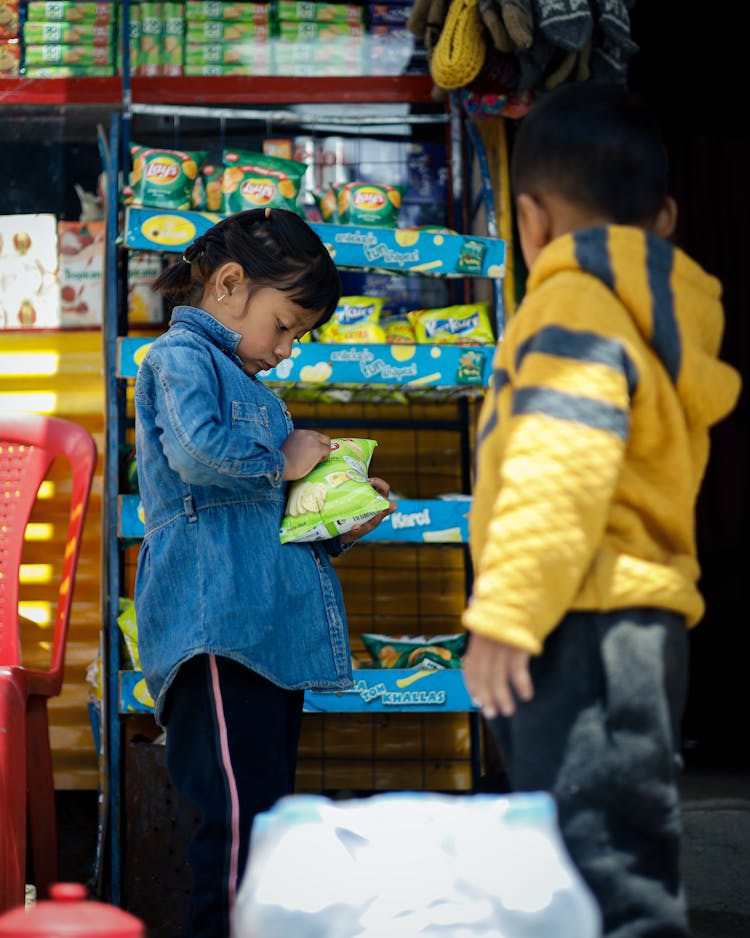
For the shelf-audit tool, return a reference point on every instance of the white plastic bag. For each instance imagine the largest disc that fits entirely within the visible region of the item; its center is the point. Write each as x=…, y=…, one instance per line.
x=412, y=865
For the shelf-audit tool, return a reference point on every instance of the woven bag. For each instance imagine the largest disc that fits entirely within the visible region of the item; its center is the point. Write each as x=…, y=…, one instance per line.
x=460, y=50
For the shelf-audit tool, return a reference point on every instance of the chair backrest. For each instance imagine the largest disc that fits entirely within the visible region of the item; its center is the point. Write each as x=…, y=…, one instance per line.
x=29, y=444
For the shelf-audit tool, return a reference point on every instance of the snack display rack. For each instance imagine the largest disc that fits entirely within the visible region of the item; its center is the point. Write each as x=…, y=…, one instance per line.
x=455, y=374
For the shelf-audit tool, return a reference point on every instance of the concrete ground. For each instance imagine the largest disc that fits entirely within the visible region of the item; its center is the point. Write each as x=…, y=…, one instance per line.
x=716, y=852
x=716, y=820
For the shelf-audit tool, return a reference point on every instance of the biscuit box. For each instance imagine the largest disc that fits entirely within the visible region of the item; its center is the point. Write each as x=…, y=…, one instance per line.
x=29, y=291
x=218, y=10
x=79, y=55
x=300, y=10
x=71, y=12
x=10, y=58
x=67, y=34
x=81, y=272
x=9, y=19
x=219, y=31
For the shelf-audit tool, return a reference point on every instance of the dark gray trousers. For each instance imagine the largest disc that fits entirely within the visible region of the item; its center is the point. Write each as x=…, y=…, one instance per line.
x=602, y=735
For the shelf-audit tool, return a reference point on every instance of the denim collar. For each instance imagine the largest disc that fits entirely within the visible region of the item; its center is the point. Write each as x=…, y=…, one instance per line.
x=198, y=319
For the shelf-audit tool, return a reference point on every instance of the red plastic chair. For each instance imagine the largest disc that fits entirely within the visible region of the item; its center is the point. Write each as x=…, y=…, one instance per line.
x=29, y=444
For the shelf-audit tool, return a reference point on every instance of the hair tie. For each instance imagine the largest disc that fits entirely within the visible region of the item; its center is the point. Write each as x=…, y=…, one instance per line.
x=186, y=260
x=268, y=212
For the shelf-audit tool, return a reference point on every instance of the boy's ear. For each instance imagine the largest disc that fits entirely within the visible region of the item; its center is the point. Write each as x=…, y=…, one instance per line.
x=666, y=220
x=534, y=221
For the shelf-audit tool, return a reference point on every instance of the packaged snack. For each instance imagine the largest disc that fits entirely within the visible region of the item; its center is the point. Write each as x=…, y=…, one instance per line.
x=431, y=652
x=207, y=189
x=10, y=58
x=256, y=180
x=335, y=496
x=78, y=55
x=357, y=319
x=326, y=202
x=67, y=34
x=129, y=632
x=302, y=10
x=398, y=330
x=164, y=178
x=366, y=203
x=68, y=11
x=463, y=324
x=9, y=19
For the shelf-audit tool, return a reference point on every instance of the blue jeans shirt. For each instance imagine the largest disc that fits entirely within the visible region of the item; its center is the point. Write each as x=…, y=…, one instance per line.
x=212, y=575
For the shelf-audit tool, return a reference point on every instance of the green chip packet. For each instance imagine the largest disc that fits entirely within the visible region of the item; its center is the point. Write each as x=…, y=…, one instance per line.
x=333, y=497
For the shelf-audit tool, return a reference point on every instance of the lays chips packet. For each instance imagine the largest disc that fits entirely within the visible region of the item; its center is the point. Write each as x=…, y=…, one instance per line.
x=163, y=178
x=334, y=496
x=259, y=180
x=367, y=203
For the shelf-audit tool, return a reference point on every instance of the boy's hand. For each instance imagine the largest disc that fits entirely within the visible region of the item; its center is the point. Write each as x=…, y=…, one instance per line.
x=494, y=674
x=382, y=488
x=303, y=450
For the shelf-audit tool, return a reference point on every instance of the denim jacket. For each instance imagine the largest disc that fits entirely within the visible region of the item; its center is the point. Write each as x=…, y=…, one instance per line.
x=212, y=574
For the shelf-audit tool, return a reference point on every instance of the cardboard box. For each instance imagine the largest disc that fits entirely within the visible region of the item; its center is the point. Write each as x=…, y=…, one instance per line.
x=79, y=55
x=29, y=292
x=301, y=11
x=144, y=306
x=10, y=58
x=67, y=34
x=229, y=12
x=71, y=12
x=219, y=31
x=9, y=19
x=81, y=272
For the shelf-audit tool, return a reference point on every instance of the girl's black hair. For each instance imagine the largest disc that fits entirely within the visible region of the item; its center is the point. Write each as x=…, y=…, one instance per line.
x=597, y=145
x=275, y=248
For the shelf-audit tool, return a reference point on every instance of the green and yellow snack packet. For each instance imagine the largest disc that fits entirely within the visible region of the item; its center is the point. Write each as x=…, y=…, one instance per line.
x=463, y=324
x=335, y=496
x=258, y=180
x=164, y=178
x=430, y=652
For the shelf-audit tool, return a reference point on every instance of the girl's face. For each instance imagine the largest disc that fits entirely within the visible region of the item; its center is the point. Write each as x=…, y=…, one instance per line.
x=268, y=321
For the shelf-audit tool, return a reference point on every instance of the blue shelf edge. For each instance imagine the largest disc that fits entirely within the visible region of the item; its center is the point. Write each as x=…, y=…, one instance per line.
x=437, y=253
x=375, y=690
x=416, y=521
x=321, y=365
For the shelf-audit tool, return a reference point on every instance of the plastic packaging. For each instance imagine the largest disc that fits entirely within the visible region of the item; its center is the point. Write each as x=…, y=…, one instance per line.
x=412, y=865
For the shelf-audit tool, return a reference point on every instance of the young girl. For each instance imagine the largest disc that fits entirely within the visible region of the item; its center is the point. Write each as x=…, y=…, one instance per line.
x=233, y=625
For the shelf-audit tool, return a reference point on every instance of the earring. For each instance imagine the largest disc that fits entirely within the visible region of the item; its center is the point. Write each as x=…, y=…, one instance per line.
x=220, y=298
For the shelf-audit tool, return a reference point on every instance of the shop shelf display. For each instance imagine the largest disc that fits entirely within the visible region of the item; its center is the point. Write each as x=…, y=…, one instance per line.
x=444, y=373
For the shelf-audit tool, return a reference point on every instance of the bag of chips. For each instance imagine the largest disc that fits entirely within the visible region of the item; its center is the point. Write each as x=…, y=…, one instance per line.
x=163, y=178
x=334, y=497
x=430, y=652
x=367, y=203
x=356, y=319
x=463, y=324
x=258, y=180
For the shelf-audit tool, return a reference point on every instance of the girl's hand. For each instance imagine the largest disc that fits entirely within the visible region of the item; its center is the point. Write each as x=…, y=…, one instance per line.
x=382, y=488
x=303, y=450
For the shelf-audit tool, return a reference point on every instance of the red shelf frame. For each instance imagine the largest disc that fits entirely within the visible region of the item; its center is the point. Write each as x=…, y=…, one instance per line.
x=217, y=90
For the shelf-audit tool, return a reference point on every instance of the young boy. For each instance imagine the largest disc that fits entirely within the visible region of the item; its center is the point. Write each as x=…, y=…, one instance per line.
x=591, y=447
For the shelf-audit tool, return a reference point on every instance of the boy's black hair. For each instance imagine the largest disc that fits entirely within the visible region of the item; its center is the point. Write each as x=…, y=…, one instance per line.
x=597, y=145
x=274, y=247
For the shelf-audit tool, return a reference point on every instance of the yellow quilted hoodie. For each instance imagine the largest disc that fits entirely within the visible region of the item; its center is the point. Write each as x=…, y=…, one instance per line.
x=594, y=437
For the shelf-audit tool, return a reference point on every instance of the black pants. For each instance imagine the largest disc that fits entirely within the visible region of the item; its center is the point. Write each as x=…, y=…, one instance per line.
x=232, y=739
x=602, y=736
